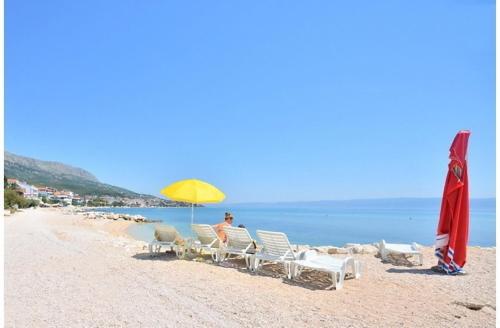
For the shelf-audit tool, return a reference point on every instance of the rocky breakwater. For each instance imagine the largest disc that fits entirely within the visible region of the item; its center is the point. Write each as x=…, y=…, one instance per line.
x=115, y=216
x=349, y=249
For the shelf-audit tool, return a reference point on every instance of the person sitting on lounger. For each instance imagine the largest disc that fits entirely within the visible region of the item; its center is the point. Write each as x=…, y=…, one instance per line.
x=219, y=228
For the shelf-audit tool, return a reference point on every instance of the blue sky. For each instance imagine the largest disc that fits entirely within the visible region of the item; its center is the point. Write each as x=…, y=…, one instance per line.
x=270, y=101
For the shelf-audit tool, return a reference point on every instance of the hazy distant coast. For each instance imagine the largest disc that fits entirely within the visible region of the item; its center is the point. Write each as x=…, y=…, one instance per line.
x=381, y=202
x=58, y=183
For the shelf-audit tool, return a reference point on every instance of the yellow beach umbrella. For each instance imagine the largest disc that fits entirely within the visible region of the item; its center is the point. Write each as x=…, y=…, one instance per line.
x=193, y=191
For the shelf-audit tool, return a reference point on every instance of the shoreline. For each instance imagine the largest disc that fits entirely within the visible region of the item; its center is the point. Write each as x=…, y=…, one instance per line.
x=72, y=271
x=144, y=220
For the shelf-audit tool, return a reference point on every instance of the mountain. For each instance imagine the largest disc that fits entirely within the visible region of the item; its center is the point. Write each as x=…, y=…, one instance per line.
x=61, y=176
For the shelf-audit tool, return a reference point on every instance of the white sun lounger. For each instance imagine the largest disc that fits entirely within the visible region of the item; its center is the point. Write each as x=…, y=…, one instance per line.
x=165, y=236
x=400, y=249
x=208, y=240
x=337, y=267
x=239, y=243
x=276, y=248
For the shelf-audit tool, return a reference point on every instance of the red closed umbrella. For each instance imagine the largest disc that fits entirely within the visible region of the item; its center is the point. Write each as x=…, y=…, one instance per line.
x=453, y=227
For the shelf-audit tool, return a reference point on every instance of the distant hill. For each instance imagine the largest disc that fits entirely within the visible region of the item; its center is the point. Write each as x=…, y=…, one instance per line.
x=61, y=176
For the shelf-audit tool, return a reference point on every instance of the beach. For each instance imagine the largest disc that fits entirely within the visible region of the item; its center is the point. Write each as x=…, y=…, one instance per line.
x=63, y=270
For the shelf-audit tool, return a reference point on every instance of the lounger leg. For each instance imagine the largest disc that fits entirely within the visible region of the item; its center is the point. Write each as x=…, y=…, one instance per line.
x=354, y=266
x=298, y=271
x=252, y=260
x=179, y=251
x=219, y=257
x=383, y=255
x=338, y=283
x=295, y=270
x=288, y=270
x=357, y=269
x=256, y=265
x=334, y=279
x=223, y=256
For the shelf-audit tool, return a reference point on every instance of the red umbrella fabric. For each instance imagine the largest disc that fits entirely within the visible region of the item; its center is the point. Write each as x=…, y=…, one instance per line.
x=453, y=227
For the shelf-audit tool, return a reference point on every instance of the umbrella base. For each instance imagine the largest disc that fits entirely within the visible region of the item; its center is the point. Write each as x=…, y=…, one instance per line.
x=439, y=269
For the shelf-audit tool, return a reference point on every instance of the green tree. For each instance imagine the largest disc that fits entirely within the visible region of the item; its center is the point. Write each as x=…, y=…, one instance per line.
x=97, y=202
x=12, y=198
x=32, y=202
x=75, y=202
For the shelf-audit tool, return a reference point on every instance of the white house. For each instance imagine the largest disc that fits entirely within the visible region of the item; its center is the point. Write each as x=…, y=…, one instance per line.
x=29, y=191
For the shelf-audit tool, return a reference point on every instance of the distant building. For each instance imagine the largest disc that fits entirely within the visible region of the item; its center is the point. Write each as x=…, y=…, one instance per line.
x=28, y=190
x=66, y=197
x=77, y=200
x=47, y=192
x=12, y=181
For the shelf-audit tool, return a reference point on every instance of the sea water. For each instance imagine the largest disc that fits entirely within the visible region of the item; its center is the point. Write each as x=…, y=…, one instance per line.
x=330, y=222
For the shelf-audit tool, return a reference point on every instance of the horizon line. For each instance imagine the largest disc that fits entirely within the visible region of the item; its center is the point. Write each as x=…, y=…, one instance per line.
x=343, y=200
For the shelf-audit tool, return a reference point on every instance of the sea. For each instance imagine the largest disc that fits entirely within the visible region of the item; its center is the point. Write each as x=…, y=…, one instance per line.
x=327, y=223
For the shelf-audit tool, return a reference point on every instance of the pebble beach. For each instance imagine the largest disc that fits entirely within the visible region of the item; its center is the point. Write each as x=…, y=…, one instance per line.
x=63, y=269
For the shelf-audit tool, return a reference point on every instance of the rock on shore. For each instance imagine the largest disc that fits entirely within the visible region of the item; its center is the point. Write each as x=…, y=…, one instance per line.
x=115, y=216
x=349, y=249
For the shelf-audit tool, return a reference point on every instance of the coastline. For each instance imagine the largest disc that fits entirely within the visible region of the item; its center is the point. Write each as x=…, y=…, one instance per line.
x=139, y=232
x=72, y=271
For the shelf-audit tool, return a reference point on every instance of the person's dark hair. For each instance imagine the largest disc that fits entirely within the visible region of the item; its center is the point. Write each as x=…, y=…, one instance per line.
x=241, y=226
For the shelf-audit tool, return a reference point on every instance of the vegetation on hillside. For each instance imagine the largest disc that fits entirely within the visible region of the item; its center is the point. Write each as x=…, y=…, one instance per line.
x=97, y=202
x=13, y=198
x=79, y=181
x=60, y=176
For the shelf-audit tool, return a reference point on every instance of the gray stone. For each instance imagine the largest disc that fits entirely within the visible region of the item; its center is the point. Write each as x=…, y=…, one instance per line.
x=338, y=250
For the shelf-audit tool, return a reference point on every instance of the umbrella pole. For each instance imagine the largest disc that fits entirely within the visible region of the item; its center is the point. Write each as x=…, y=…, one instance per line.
x=192, y=213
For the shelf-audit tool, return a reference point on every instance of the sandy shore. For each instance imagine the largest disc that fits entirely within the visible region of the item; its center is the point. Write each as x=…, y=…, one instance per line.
x=64, y=271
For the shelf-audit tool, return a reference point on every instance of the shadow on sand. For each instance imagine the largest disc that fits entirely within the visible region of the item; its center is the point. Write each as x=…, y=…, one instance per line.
x=309, y=279
x=398, y=260
x=314, y=280
x=427, y=271
x=163, y=256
